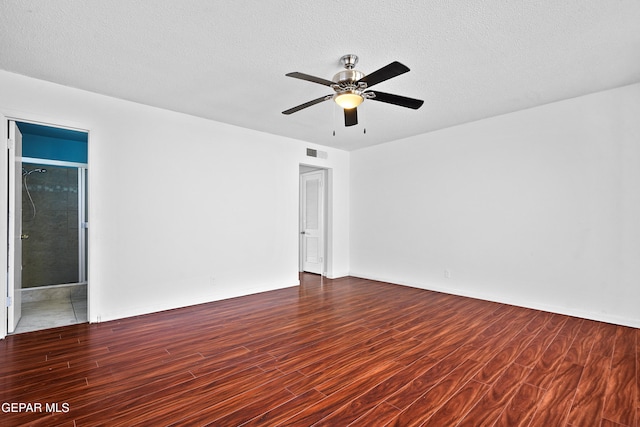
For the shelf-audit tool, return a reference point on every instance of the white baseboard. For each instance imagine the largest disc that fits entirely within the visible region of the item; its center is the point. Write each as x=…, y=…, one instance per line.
x=583, y=314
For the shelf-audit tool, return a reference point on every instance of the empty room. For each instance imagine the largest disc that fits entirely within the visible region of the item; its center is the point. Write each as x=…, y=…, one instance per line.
x=281, y=213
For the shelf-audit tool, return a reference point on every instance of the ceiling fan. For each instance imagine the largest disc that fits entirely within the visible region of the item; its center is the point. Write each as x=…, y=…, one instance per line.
x=351, y=88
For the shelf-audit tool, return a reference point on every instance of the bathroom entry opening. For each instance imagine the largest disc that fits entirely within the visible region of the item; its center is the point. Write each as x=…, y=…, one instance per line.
x=48, y=218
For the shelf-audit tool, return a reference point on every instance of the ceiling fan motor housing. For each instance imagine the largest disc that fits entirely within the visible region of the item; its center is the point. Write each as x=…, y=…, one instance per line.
x=347, y=76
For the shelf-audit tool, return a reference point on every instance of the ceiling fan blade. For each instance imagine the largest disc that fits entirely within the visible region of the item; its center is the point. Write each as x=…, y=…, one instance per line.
x=385, y=73
x=402, y=101
x=350, y=116
x=307, y=104
x=307, y=77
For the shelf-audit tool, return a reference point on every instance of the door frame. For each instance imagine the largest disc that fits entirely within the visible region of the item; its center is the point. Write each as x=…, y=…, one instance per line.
x=325, y=194
x=7, y=115
x=14, y=226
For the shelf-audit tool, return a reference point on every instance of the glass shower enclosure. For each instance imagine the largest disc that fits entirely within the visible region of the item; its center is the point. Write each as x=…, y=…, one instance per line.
x=54, y=224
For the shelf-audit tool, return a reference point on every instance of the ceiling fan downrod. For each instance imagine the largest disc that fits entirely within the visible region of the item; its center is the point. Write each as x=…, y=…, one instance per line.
x=349, y=61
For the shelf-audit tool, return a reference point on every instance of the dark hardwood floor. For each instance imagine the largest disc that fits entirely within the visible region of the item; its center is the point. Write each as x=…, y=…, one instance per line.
x=328, y=353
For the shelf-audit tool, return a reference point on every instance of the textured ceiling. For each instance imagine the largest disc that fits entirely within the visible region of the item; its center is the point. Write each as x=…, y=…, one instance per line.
x=227, y=60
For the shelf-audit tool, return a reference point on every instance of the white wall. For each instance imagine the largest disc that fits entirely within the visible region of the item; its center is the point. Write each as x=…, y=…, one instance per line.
x=539, y=208
x=182, y=210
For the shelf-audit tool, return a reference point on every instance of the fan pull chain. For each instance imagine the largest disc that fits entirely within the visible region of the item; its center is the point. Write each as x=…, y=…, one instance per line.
x=364, y=125
x=334, y=120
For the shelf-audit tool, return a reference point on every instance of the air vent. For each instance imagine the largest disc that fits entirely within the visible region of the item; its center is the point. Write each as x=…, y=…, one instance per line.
x=315, y=153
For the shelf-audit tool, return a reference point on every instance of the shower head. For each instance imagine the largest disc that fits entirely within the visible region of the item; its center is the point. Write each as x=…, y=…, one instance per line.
x=27, y=173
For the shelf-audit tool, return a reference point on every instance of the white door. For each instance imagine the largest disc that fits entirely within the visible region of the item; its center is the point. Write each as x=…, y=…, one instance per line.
x=4, y=175
x=312, y=221
x=14, y=272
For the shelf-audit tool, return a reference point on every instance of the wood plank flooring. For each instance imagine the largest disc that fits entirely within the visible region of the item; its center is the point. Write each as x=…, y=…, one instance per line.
x=345, y=352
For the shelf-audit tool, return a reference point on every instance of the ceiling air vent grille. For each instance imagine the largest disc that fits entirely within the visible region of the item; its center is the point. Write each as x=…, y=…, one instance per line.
x=315, y=153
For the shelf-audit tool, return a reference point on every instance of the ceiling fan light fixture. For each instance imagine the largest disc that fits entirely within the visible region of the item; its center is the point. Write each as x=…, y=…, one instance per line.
x=352, y=87
x=348, y=99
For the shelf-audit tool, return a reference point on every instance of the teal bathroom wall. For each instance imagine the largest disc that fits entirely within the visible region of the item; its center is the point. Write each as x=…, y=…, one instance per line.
x=46, y=142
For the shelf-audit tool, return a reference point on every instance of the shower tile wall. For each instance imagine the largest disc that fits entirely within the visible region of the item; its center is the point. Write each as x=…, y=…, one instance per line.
x=50, y=253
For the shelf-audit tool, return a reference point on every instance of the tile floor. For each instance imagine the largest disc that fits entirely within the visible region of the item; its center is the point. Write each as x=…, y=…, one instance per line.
x=52, y=307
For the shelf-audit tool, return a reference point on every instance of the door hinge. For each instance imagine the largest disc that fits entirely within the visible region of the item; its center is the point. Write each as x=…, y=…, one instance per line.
x=10, y=144
x=9, y=301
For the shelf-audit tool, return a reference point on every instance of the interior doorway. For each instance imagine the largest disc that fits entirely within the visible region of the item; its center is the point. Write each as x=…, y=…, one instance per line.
x=48, y=223
x=313, y=220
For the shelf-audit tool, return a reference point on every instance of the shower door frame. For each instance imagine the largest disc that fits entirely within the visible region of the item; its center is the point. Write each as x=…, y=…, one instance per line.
x=83, y=223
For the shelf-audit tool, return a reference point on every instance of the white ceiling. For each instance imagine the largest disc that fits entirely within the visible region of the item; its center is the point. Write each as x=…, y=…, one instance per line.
x=227, y=60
